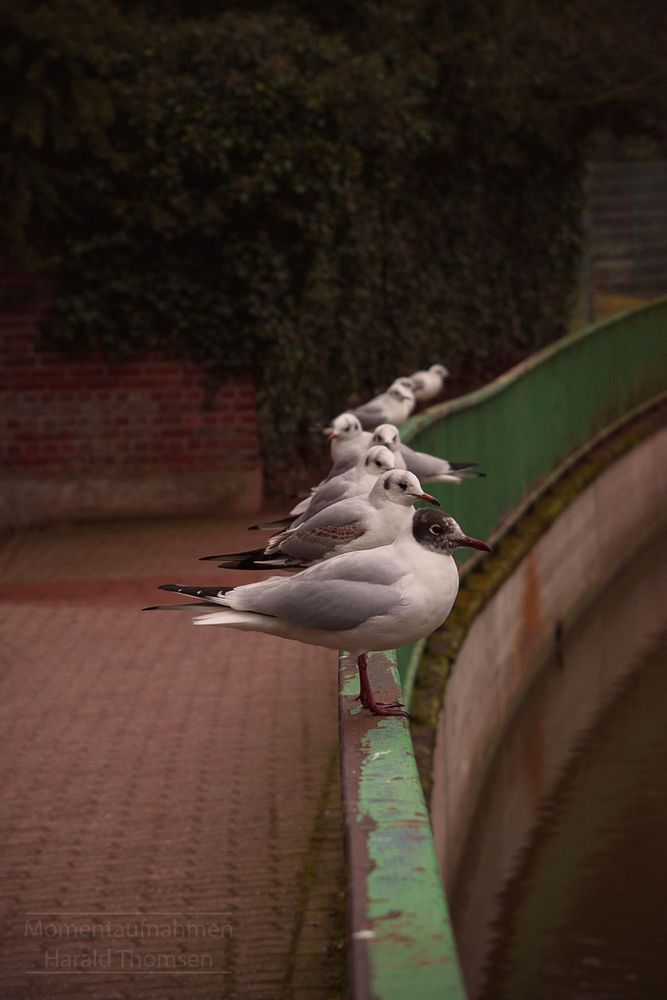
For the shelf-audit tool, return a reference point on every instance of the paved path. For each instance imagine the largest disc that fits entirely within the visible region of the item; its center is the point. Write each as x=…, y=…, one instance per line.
x=169, y=794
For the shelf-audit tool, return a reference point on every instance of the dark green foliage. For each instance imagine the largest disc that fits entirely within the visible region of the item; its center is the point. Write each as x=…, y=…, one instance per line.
x=328, y=196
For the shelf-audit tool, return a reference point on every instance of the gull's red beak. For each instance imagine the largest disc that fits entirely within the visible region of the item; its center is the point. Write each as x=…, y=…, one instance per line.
x=474, y=543
x=332, y=436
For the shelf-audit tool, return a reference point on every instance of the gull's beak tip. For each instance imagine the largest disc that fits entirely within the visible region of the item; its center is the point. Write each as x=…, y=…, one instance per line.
x=476, y=543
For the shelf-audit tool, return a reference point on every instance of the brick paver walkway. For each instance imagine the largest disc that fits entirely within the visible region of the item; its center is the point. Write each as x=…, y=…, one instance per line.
x=169, y=794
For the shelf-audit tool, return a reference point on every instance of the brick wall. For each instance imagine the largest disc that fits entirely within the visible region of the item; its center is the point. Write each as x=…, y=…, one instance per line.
x=87, y=438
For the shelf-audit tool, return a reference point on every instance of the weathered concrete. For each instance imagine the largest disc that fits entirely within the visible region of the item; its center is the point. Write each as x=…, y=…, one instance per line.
x=511, y=637
x=569, y=696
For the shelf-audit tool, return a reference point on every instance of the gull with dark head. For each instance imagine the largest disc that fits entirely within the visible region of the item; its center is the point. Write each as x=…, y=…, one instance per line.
x=374, y=599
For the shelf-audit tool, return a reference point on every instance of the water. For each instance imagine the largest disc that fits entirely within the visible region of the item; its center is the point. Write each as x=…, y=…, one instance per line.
x=562, y=894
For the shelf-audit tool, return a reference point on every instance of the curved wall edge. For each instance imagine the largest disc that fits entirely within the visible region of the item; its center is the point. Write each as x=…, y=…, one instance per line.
x=510, y=638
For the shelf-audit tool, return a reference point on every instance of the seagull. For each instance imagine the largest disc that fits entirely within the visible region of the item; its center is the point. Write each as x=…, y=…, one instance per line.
x=426, y=385
x=393, y=406
x=427, y=468
x=358, y=478
x=349, y=443
x=360, y=522
x=373, y=599
x=347, y=437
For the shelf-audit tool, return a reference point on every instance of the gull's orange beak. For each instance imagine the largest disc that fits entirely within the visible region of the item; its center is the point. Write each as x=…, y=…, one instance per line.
x=427, y=498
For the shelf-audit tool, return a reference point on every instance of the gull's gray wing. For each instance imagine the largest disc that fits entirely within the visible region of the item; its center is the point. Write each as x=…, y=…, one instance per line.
x=423, y=465
x=372, y=414
x=335, y=595
x=429, y=469
x=311, y=543
x=321, y=534
x=342, y=466
x=325, y=495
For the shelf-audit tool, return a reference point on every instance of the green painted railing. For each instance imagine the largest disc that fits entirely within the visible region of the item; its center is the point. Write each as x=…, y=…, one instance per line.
x=523, y=429
x=538, y=416
x=401, y=940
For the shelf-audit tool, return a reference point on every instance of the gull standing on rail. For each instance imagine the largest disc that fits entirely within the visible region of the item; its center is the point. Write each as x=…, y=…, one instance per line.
x=360, y=522
x=358, y=479
x=428, y=385
x=391, y=407
x=347, y=437
x=427, y=468
x=374, y=599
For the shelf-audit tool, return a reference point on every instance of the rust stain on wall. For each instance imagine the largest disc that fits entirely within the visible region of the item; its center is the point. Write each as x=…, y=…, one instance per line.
x=526, y=643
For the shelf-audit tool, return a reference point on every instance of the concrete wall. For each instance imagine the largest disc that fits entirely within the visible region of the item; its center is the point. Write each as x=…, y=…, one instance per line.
x=513, y=635
x=84, y=438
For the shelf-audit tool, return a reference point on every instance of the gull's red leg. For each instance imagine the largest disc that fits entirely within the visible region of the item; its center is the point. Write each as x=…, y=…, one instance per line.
x=367, y=698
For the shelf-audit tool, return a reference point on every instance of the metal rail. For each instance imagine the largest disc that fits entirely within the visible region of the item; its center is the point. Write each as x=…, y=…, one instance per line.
x=402, y=944
x=522, y=428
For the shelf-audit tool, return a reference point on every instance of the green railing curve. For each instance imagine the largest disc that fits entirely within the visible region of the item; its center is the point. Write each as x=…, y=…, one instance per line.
x=537, y=417
x=523, y=429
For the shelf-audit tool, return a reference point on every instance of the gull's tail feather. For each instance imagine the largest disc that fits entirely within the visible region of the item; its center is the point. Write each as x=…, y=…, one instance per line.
x=263, y=562
x=256, y=559
x=283, y=522
x=244, y=620
x=177, y=607
x=467, y=470
x=470, y=473
x=463, y=466
x=212, y=595
x=248, y=554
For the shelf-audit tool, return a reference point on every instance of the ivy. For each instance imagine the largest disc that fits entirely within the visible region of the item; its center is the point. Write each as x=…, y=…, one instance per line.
x=325, y=196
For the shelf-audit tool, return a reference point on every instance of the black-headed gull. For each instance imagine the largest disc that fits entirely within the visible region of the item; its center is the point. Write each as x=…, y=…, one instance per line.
x=427, y=468
x=358, y=478
x=347, y=437
x=391, y=407
x=427, y=385
x=360, y=522
x=374, y=599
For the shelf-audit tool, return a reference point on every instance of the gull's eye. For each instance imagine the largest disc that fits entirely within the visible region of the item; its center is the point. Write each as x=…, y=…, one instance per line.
x=394, y=439
x=436, y=529
x=403, y=485
x=378, y=463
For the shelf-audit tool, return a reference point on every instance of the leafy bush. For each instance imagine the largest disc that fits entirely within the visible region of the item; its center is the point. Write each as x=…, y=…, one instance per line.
x=326, y=196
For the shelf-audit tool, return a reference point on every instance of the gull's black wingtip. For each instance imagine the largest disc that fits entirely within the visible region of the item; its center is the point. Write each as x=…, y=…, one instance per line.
x=174, y=587
x=153, y=607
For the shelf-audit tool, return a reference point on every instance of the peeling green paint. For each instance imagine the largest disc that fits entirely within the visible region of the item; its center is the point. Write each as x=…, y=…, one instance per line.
x=404, y=924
